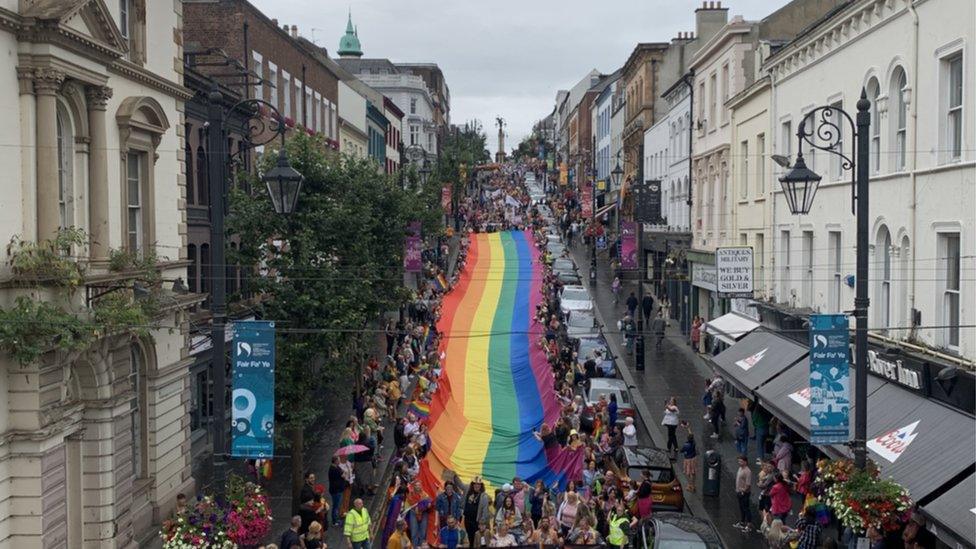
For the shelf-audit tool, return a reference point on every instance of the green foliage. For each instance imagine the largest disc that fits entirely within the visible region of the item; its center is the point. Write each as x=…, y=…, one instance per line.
x=48, y=260
x=463, y=146
x=336, y=267
x=143, y=264
x=31, y=328
x=119, y=311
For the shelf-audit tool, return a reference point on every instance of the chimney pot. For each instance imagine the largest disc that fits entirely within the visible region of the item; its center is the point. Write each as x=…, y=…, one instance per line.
x=718, y=4
x=294, y=31
x=275, y=21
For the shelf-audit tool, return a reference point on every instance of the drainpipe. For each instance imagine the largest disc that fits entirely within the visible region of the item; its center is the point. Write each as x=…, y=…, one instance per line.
x=247, y=60
x=771, y=199
x=914, y=146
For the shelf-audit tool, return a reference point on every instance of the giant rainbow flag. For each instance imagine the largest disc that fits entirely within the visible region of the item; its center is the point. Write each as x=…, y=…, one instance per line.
x=496, y=386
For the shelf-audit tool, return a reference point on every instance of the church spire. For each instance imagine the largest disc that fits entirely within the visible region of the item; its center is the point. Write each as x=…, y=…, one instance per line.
x=349, y=45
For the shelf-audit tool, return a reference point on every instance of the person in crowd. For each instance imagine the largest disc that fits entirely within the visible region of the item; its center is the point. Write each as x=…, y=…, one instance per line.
x=764, y=482
x=740, y=431
x=356, y=529
x=584, y=534
x=400, y=538
x=780, y=503
x=511, y=516
x=689, y=451
x=670, y=422
x=476, y=512
x=315, y=537
x=451, y=535
x=568, y=509
x=743, y=487
x=632, y=304
x=658, y=327
x=717, y=414
x=448, y=504
x=808, y=530
x=777, y=534
x=615, y=288
x=503, y=538
x=647, y=307
x=783, y=456
x=612, y=409
x=696, y=330
x=291, y=537
x=629, y=433
x=760, y=428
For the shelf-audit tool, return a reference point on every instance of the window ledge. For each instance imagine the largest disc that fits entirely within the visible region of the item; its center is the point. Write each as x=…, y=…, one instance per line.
x=140, y=486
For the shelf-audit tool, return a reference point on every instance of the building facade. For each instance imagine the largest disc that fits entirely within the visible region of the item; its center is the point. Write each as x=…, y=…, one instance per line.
x=353, y=139
x=94, y=440
x=641, y=85
x=394, y=136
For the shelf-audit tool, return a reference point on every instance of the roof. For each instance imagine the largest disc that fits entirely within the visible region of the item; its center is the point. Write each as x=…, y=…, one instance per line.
x=647, y=457
x=684, y=527
x=756, y=359
x=952, y=510
x=608, y=383
x=349, y=43
x=362, y=65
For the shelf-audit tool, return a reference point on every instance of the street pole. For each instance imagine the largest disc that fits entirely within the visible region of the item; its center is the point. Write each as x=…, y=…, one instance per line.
x=641, y=269
x=216, y=157
x=861, y=300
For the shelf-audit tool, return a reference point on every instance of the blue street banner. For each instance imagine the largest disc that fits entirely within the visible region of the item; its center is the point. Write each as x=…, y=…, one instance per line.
x=252, y=418
x=601, y=242
x=830, y=380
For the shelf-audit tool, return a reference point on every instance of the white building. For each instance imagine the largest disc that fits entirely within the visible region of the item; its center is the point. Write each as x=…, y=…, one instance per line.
x=352, y=121
x=666, y=148
x=94, y=442
x=602, y=113
x=916, y=62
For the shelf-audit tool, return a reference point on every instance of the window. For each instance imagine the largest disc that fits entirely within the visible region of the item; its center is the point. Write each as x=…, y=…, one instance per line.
x=808, y=268
x=193, y=268
x=66, y=140
x=882, y=256
x=744, y=169
x=137, y=363
x=190, y=167
x=286, y=94
x=836, y=163
x=761, y=260
x=701, y=106
x=786, y=146
x=785, y=256
x=203, y=175
x=414, y=134
x=954, y=122
x=899, y=94
x=834, y=260
x=124, y=10
x=413, y=105
x=259, y=71
x=134, y=198
x=712, y=100
x=205, y=268
x=873, y=91
x=760, y=164
x=299, y=102
x=201, y=400
x=317, y=112
x=273, y=84
x=726, y=84
x=949, y=267
x=308, y=109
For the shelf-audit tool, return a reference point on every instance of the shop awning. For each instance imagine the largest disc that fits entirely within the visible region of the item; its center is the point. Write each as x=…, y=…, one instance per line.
x=606, y=209
x=731, y=327
x=953, y=514
x=917, y=441
x=756, y=359
x=787, y=397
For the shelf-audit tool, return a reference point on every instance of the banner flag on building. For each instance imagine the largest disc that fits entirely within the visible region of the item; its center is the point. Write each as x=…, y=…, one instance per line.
x=446, y=197
x=586, y=202
x=563, y=174
x=413, y=246
x=253, y=396
x=628, y=245
x=830, y=382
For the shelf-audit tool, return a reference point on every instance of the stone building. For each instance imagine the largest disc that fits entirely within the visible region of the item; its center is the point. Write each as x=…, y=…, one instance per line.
x=95, y=440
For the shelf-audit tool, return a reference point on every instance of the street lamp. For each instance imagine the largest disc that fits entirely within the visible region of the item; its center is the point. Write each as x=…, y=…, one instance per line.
x=800, y=185
x=615, y=176
x=283, y=183
x=424, y=174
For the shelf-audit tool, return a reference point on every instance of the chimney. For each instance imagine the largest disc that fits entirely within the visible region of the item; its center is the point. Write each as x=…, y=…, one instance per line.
x=294, y=31
x=275, y=21
x=709, y=19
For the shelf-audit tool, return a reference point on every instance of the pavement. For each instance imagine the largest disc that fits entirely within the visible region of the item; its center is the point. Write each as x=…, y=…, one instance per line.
x=674, y=370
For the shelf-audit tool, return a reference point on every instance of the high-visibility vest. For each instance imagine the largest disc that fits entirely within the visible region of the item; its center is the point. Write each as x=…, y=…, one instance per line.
x=357, y=525
x=617, y=536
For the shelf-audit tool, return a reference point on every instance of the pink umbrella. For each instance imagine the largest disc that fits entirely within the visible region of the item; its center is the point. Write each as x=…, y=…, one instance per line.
x=351, y=449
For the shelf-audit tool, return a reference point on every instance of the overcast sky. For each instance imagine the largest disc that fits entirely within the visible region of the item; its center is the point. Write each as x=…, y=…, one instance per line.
x=502, y=57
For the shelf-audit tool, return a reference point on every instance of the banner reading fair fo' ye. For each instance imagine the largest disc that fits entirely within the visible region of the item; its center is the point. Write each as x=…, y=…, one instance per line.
x=253, y=361
x=628, y=245
x=830, y=383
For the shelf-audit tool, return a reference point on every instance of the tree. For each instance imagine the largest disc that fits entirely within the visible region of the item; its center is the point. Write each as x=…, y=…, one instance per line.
x=329, y=270
x=464, y=146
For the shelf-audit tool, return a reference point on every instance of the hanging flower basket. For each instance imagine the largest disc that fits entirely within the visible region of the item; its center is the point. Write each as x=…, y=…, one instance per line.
x=242, y=520
x=861, y=499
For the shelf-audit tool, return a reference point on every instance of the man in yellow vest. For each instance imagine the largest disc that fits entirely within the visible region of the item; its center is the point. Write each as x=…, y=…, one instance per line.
x=620, y=523
x=357, y=526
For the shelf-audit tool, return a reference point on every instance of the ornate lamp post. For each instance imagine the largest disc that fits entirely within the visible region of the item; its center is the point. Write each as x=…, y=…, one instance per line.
x=800, y=186
x=283, y=183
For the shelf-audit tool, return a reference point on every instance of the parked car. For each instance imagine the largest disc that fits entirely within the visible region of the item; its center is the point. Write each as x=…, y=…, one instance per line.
x=594, y=388
x=666, y=492
x=668, y=530
x=588, y=346
x=556, y=248
x=563, y=264
x=582, y=325
x=569, y=278
x=575, y=298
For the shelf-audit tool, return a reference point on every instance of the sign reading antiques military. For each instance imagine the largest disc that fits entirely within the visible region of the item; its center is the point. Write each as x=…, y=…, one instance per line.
x=830, y=383
x=252, y=418
x=733, y=271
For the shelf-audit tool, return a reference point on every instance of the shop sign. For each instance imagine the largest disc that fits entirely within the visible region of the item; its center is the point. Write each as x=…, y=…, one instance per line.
x=733, y=268
x=893, y=444
x=601, y=185
x=748, y=362
x=830, y=379
x=894, y=371
x=703, y=276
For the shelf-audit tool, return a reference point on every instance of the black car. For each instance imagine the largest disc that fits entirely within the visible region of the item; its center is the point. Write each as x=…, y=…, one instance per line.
x=666, y=530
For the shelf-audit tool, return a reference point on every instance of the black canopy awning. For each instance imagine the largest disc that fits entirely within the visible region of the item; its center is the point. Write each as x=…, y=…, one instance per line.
x=787, y=397
x=953, y=514
x=756, y=359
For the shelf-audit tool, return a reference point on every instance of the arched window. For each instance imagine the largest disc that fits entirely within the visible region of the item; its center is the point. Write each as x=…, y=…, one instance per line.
x=191, y=191
x=203, y=188
x=192, y=268
x=899, y=116
x=874, y=89
x=205, y=268
x=66, y=141
x=882, y=252
x=137, y=372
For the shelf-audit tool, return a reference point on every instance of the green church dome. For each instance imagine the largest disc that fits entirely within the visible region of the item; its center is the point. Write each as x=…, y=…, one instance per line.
x=349, y=45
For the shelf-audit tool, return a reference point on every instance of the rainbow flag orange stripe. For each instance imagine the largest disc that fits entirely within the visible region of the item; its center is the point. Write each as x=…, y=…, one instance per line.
x=496, y=386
